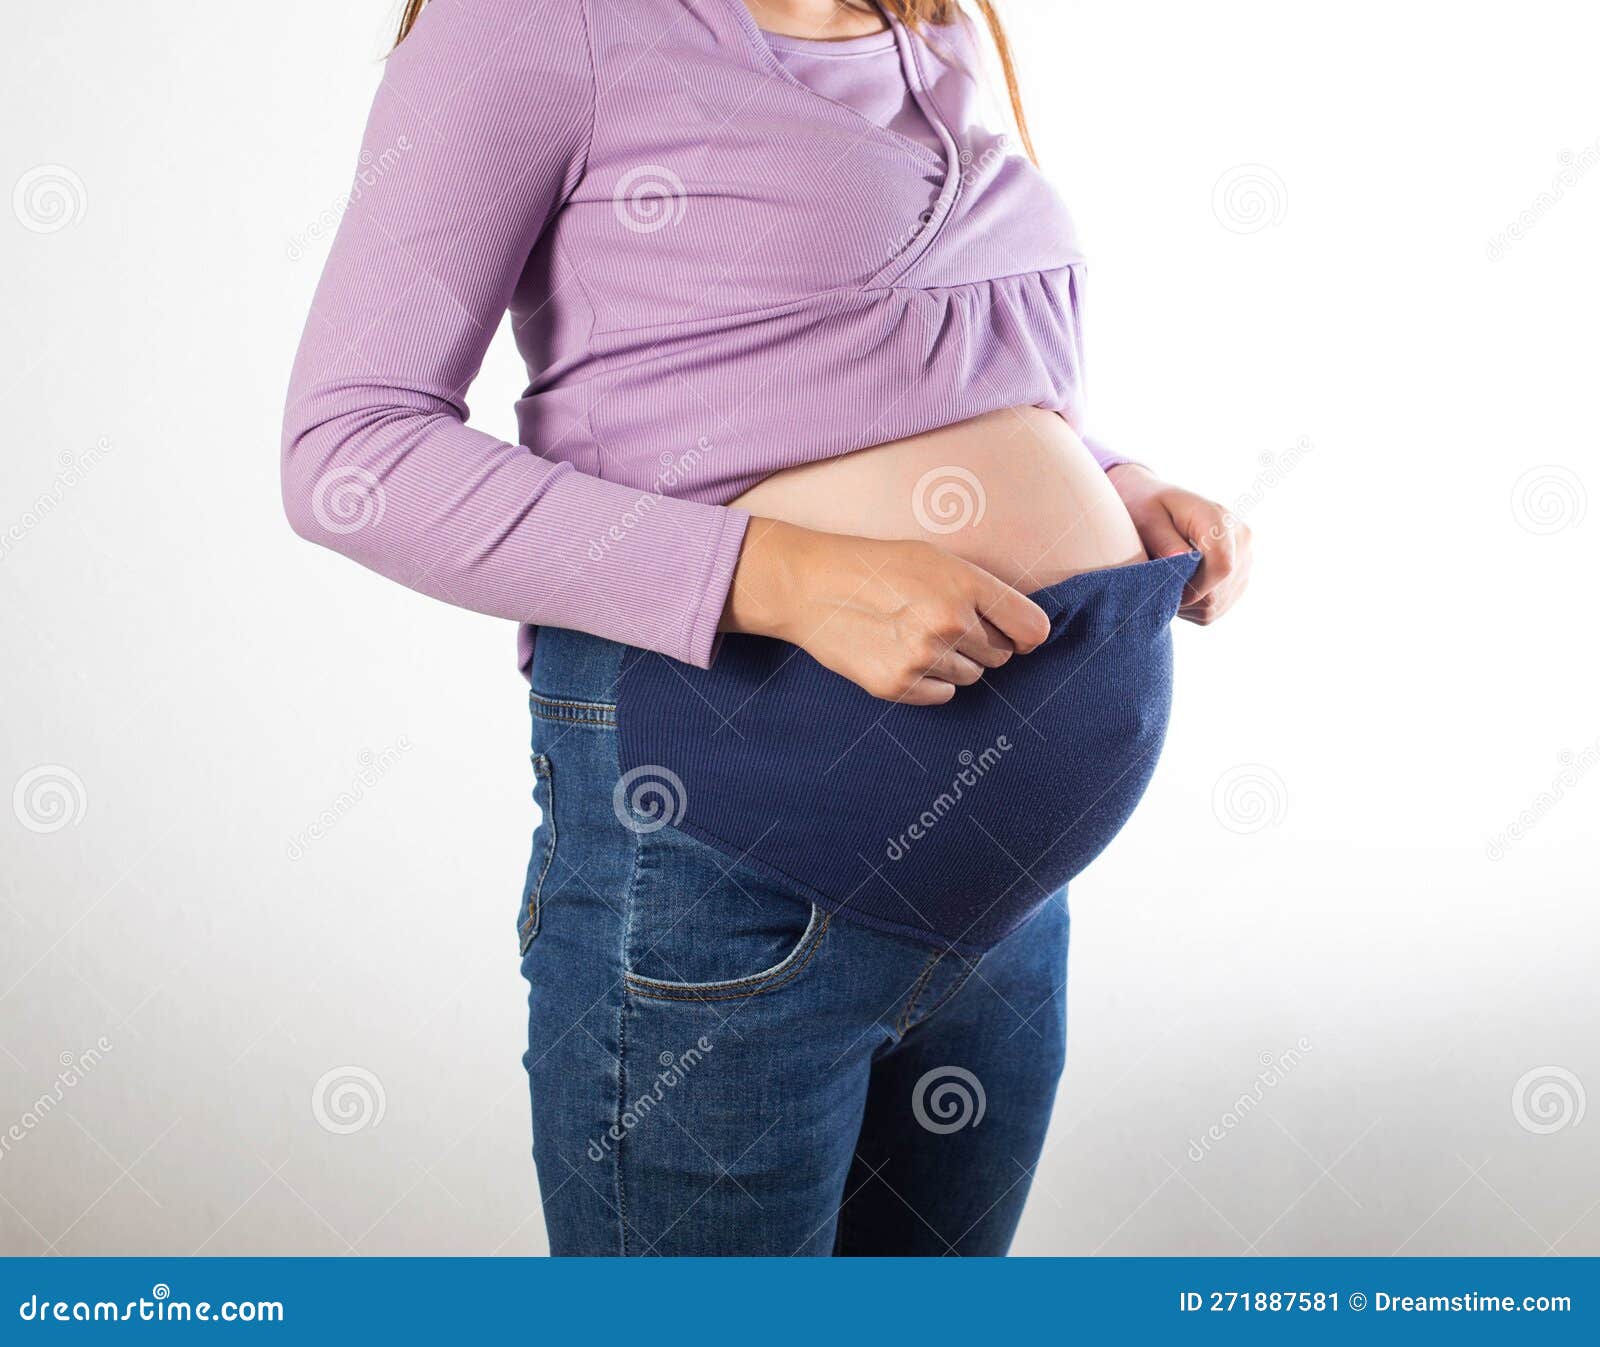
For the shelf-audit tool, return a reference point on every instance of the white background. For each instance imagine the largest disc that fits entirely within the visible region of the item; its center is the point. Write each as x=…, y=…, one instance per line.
x=1290, y=211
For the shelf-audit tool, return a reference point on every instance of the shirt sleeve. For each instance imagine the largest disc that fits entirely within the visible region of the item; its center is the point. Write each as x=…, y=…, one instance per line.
x=478, y=133
x=1107, y=458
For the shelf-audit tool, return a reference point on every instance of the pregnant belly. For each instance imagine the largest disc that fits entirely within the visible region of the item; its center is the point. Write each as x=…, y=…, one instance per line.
x=1015, y=491
x=952, y=823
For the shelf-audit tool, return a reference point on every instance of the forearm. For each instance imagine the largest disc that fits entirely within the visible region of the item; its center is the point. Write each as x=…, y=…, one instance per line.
x=378, y=461
x=483, y=524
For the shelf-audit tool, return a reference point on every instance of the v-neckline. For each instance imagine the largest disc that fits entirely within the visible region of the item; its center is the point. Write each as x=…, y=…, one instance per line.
x=911, y=71
x=934, y=218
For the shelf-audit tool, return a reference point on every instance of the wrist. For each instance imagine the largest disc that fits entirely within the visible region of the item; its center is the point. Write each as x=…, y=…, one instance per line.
x=1132, y=481
x=764, y=579
x=1120, y=473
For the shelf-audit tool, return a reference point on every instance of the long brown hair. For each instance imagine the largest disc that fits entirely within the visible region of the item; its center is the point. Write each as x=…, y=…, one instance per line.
x=912, y=13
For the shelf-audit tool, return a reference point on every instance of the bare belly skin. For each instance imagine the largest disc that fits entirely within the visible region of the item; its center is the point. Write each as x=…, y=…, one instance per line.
x=1016, y=492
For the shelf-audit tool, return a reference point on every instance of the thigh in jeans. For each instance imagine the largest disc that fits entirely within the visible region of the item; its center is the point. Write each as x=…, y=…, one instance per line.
x=958, y=1108
x=744, y=1069
x=569, y=927
x=697, y=1062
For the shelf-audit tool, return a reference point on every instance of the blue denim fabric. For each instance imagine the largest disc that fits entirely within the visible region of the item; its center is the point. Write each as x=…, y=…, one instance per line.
x=718, y=1065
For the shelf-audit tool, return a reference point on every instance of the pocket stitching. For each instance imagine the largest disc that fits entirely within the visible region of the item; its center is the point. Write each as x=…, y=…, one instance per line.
x=970, y=966
x=569, y=712
x=533, y=906
x=904, y=1023
x=759, y=984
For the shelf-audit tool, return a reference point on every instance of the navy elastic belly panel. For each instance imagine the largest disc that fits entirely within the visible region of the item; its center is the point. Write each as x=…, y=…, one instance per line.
x=951, y=824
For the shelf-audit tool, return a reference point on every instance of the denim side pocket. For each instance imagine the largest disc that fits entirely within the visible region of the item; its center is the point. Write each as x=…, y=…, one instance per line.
x=544, y=849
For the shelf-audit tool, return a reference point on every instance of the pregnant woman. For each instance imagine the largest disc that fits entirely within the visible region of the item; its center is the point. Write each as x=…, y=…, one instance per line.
x=847, y=650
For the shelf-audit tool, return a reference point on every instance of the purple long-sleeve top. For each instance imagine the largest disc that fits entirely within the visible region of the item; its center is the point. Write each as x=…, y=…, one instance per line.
x=713, y=272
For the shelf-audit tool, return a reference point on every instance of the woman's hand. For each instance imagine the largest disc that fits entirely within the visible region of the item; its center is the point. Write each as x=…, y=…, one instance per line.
x=907, y=621
x=1171, y=520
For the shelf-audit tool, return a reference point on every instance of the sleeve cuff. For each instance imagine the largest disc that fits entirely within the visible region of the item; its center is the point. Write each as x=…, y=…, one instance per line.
x=704, y=638
x=1109, y=458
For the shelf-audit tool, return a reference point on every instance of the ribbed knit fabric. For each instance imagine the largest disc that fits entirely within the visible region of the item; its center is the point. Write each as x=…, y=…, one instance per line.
x=950, y=824
x=713, y=273
x=864, y=73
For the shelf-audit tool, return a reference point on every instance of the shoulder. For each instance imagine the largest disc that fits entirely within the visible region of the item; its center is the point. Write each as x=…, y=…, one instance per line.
x=958, y=45
x=484, y=76
x=485, y=43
